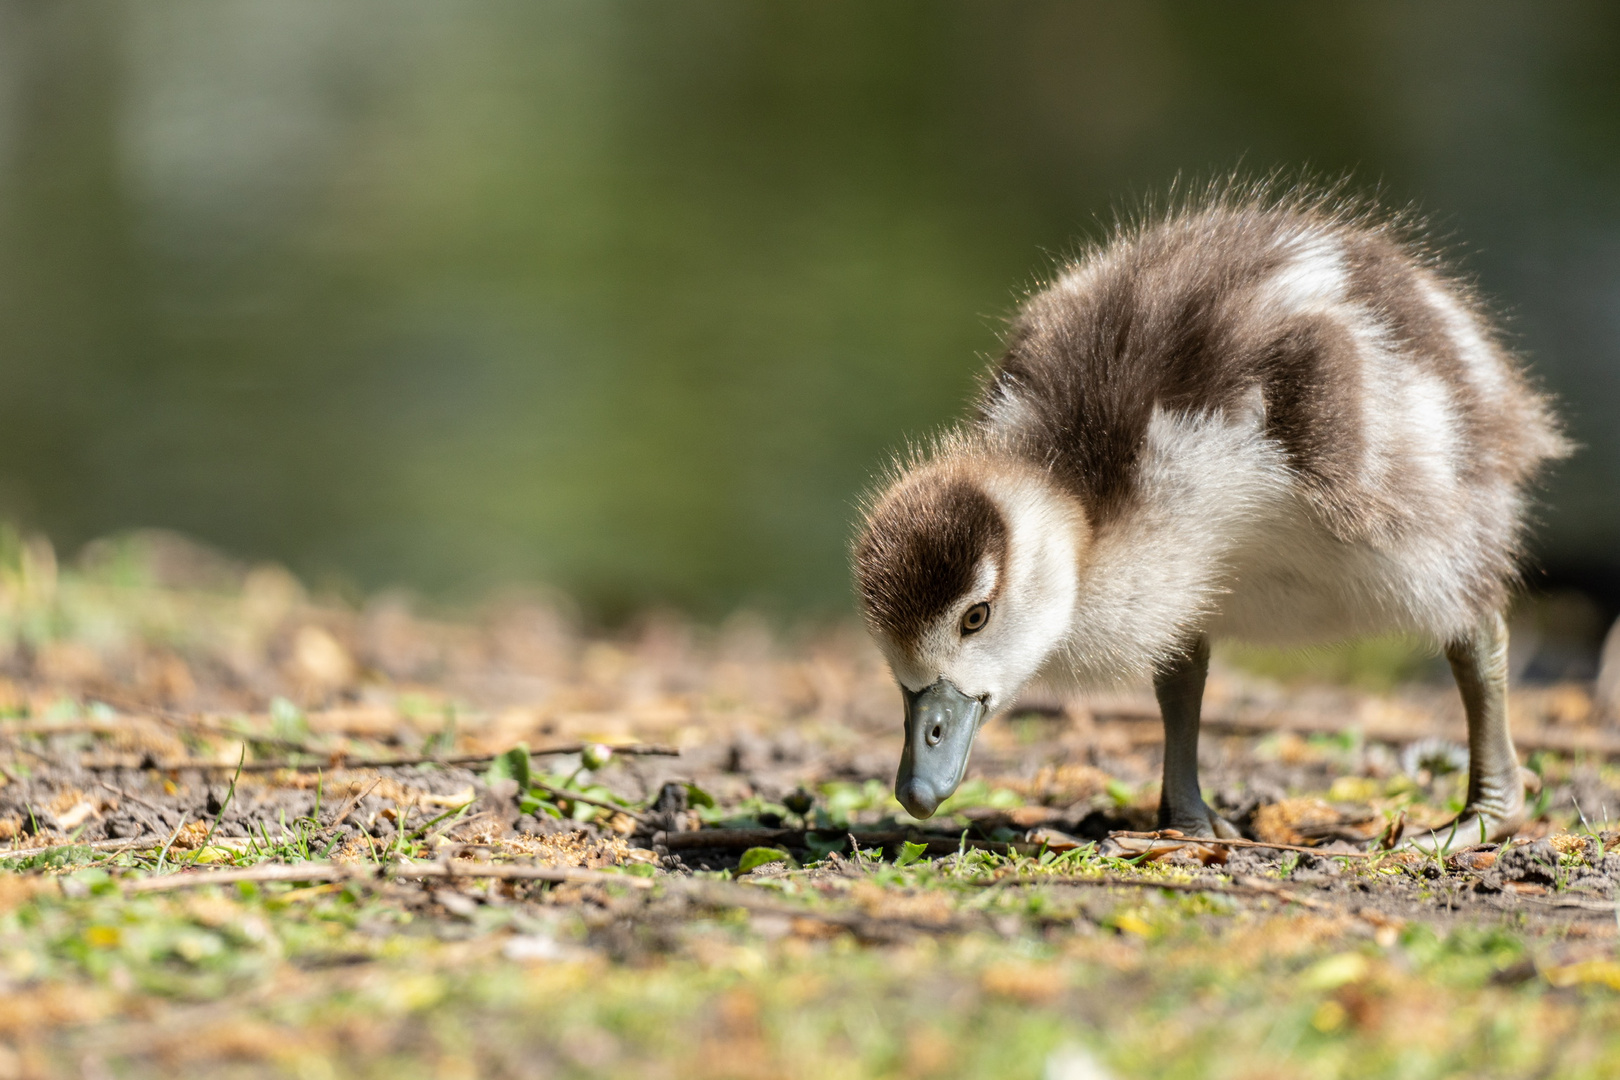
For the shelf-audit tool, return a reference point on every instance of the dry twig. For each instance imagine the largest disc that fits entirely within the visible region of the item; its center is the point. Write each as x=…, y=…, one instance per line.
x=339, y=760
x=136, y=799
x=330, y=871
x=348, y=807
x=93, y=845
x=1171, y=836
x=742, y=839
x=564, y=793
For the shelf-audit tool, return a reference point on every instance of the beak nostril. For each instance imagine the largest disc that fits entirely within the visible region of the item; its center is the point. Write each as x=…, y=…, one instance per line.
x=936, y=733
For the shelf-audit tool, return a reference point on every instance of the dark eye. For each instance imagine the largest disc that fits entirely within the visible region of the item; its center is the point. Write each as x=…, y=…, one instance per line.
x=974, y=618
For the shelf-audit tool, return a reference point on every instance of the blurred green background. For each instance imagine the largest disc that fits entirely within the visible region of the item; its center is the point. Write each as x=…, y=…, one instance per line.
x=634, y=297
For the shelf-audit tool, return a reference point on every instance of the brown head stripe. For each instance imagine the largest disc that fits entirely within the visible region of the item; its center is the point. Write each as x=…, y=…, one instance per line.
x=919, y=552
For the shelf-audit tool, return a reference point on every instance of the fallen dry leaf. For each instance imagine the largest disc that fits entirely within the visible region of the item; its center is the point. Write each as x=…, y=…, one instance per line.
x=1281, y=822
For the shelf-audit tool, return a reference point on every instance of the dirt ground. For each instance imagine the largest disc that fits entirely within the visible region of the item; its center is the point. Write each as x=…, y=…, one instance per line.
x=250, y=832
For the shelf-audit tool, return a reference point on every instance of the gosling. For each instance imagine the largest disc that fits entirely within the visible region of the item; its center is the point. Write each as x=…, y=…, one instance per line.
x=1276, y=419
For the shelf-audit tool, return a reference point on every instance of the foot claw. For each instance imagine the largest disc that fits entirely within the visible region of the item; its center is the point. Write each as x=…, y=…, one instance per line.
x=1206, y=823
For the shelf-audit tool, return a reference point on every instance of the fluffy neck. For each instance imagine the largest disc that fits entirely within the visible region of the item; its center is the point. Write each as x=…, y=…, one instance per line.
x=1049, y=543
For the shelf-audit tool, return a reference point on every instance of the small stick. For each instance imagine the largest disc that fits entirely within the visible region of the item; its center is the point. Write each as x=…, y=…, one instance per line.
x=122, y=794
x=93, y=845
x=564, y=793
x=329, y=871
x=1288, y=895
x=726, y=839
x=1175, y=837
x=348, y=807
x=454, y=823
x=1243, y=887
x=340, y=761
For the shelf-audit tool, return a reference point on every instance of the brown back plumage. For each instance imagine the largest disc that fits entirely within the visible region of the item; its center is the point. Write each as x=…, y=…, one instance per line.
x=1172, y=313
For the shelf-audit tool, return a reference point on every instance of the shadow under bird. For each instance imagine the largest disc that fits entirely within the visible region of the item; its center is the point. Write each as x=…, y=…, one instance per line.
x=1276, y=418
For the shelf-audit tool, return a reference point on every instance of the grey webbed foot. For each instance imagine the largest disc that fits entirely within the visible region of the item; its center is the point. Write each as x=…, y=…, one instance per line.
x=1495, y=808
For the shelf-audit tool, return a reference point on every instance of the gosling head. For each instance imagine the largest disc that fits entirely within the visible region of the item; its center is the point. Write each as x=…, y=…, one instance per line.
x=967, y=572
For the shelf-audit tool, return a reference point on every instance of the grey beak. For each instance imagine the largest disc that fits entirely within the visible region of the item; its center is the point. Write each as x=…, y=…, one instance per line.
x=940, y=724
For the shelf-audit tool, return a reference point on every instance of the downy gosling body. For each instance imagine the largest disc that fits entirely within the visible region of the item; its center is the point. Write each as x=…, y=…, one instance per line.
x=1269, y=419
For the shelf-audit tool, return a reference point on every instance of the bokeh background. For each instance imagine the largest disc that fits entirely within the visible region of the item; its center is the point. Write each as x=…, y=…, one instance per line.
x=633, y=298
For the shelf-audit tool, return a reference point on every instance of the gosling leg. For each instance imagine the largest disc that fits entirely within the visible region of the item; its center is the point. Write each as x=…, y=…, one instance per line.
x=1495, y=807
x=1179, y=686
